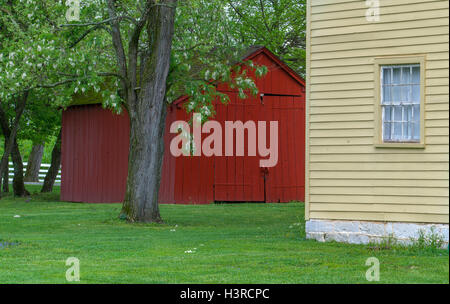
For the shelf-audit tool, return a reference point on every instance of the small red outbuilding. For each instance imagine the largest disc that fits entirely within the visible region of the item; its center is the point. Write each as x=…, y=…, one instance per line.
x=95, y=149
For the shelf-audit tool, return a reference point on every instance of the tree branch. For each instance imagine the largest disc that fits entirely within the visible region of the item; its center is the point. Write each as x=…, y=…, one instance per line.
x=100, y=26
x=243, y=19
x=117, y=42
x=117, y=18
x=263, y=12
x=109, y=74
x=54, y=85
x=133, y=45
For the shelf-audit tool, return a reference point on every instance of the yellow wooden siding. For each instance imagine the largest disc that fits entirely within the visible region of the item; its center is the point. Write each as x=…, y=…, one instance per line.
x=347, y=176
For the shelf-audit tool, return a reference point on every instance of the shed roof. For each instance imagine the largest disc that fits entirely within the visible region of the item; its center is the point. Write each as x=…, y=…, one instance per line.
x=256, y=50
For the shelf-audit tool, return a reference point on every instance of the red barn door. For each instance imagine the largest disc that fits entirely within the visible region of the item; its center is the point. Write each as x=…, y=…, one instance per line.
x=238, y=178
x=194, y=176
x=241, y=179
x=286, y=181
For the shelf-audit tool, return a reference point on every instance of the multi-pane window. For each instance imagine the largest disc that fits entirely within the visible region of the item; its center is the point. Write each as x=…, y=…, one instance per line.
x=400, y=102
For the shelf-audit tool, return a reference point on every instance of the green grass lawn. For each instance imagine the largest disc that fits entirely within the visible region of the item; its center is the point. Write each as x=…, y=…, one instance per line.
x=230, y=243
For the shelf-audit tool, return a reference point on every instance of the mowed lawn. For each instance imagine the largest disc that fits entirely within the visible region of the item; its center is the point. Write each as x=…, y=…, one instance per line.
x=219, y=243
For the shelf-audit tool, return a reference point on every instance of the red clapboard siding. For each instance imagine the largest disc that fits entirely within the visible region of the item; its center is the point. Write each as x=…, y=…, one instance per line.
x=95, y=145
x=94, y=155
x=285, y=182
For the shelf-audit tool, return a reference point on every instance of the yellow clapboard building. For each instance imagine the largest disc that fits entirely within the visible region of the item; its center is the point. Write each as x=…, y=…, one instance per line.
x=377, y=119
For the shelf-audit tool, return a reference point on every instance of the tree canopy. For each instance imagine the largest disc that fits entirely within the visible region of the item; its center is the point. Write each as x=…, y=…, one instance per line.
x=140, y=55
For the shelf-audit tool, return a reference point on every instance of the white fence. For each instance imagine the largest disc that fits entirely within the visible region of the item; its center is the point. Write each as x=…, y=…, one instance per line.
x=42, y=172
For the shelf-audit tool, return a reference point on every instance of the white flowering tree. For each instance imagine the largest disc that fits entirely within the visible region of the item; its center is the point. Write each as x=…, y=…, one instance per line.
x=139, y=54
x=37, y=65
x=25, y=54
x=162, y=50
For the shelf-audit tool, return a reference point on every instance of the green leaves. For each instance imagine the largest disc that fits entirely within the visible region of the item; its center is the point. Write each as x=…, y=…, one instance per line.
x=211, y=37
x=39, y=49
x=35, y=57
x=280, y=25
x=207, y=52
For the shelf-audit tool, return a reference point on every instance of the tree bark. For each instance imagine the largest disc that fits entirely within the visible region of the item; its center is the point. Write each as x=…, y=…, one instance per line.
x=18, y=181
x=5, y=177
x=10, y=133
x=34, y=164
x=5, y=182
x=147, y=120
x=52, y=172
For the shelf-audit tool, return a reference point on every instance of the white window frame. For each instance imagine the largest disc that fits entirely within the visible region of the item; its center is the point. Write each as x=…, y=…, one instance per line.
x=399, y=104
x=380, y=63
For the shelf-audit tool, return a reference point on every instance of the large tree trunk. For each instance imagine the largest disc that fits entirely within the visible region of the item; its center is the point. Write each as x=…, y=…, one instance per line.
x=18, y=182
x=52, y=173
x=10, y=133
x=147, y=118
x=34, y=164
x=144, y=167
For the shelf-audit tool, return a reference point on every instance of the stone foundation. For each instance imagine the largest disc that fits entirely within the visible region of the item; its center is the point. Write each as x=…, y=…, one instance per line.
x=359, y=232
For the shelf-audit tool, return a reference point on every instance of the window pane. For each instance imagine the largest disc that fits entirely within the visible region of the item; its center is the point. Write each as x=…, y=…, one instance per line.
x=387, y=113
x=387, y=131
x=386, y=95
x=406, y=96
x=397, y=72
x=408, y=113
x=386, y=76
x=396, y=95
x=416, y=93
x=406, y=75
x=416, y=131
x=416, y=122
x=408, y=127
x=416, y=109
x=416, y=75
x=397, y=131
x=398, y=113
x=407, y=132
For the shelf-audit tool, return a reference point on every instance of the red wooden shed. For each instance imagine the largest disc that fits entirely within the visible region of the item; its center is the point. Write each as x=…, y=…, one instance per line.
x=95, y=149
